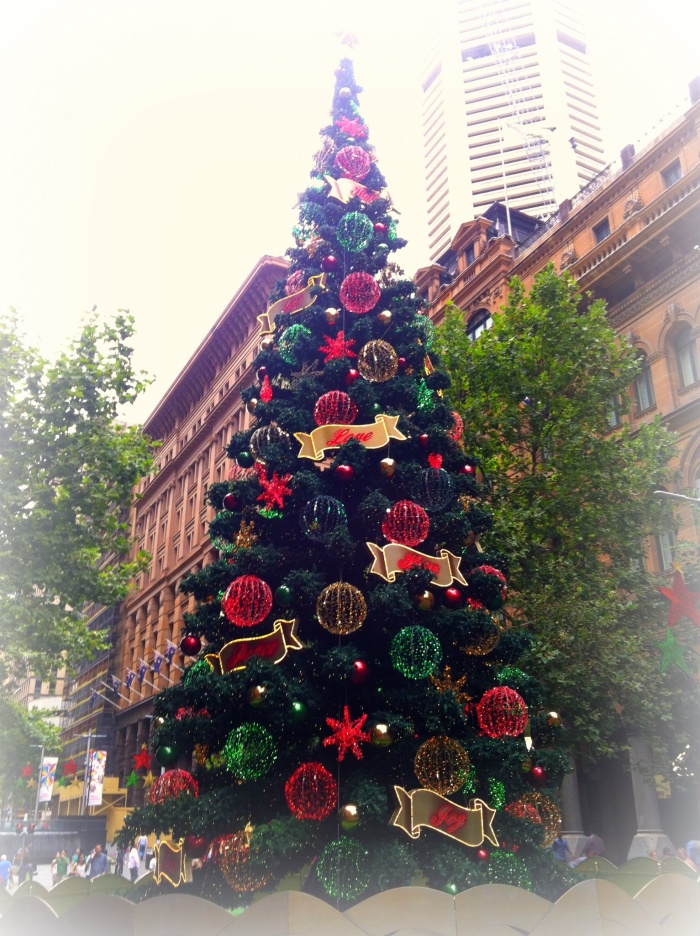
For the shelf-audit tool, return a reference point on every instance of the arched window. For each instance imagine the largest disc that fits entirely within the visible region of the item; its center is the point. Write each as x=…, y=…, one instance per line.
x=685, y=358
x=643, y=385
x=479, y=322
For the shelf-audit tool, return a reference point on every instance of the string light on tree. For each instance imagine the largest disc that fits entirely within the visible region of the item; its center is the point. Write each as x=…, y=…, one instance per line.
x=311, y=792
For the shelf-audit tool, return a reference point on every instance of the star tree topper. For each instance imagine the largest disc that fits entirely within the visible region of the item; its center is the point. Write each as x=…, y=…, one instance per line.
x=682, y=600
x=347, y=734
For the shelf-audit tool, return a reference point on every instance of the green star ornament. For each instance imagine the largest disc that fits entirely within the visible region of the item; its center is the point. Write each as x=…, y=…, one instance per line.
x=672, y=653
x=132, y=779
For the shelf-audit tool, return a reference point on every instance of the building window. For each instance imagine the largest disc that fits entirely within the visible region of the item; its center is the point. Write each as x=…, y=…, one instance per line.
x=480, y=322
x=601, y=230
x=470, y=255
x=671, y=174
x=664, y=550
x=685, y=358
x=614, y=417
x=643, y=386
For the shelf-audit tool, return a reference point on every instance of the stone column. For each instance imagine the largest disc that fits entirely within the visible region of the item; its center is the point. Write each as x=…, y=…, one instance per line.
x=649, y=835
x=571, y=815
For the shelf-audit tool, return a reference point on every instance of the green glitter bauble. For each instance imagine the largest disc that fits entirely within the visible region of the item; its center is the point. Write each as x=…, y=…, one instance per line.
x=290, y=341
x=506, y=868
x=425, y=329
x=425, y=397
x=200, y=668
x=354, y=231
x=511, y=676
x=415, y=652
x=341, y=869
x=497, y=793
x=469, y=788
x=250, y=751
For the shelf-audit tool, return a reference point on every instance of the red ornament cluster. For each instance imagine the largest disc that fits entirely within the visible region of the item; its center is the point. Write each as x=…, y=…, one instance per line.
x=455, y=432
x=334, y=408
x=247, y=602
x=359, y=293
x=172, y=784
x=406, y=523
x=502, y=712
x=354, y=162
x=311, y=792
x=186, y=711
x=275, y=489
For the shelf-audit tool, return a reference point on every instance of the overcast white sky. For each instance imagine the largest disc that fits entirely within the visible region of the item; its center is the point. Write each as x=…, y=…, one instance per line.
x=152, y=149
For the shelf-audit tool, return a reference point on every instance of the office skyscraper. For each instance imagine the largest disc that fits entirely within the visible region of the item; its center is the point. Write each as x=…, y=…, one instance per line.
x=509, y=111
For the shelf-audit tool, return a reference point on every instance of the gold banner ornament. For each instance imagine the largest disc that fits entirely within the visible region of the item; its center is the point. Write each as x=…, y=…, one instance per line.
x=419, y=808
x=274, y=647
x=291, y=304
x=345, y=189
x=373, y=436
x=394, y=558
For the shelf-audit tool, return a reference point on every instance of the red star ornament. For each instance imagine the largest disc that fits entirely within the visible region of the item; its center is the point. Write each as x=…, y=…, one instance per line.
x=682, y=601
x=347, y=734
x=142, y=761
x=275, y=489
x=353, y=128
x=27, y=772
x=334, y=348
x=71, y=768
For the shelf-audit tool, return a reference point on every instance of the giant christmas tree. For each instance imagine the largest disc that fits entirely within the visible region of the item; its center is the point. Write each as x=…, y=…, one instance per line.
x=352, y=712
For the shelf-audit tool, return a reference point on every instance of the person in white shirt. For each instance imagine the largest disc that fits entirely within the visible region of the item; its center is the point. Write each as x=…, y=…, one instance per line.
x=133, y=863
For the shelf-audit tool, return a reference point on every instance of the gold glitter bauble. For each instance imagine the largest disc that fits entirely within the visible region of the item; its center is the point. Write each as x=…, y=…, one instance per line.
x=381, y=735
x=548, y=812
x=332, y=316
x=424, y=600
x=200, y=754
x=442, y=765
x=266, y=436
x=484, y=642
x=252, y=405
x=267, y=342
x=231, y=853
x=385, y=317
x=387, y=466
x=341, y=608
x=377, y=361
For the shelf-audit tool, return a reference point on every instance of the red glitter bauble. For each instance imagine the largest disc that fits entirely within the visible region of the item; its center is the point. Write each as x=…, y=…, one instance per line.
x=344, y=472
x=335, y=407
x=195, y=846
x=360, y=672
x=502, y=712
x=453, y=598
x=359, y=293
x=402, y=363
x=424, y=439
x=524, y=811
x=381, y=229
x=295, y=283
x=329, y=264
x=352, y=375
x=482, y=855
x=467, y=469
x=537, y=776
x=248, y=600
x=455, y=433
x=231, y=502
x=190, y=645
x=311, y=792
x=171, y=784
x=354, y=161
x=406, y=523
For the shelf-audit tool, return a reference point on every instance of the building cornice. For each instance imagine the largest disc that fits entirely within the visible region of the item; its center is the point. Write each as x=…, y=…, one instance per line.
x=665, y=282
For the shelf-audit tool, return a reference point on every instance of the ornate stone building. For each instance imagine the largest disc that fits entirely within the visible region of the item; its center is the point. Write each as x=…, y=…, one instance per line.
x=630, y=237
x=193, y=424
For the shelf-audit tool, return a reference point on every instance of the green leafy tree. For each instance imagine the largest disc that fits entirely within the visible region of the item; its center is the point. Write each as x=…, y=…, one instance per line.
x=574, y=502
x=395, y=676
x=22, y=732
x=67, y=470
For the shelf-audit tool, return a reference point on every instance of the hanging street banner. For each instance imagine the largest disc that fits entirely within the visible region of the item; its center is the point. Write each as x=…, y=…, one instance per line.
x=96, y=774
x=290, y=304
x=273, y=647
x=47, y=775
x=345, y=189
x=419, y=808
x=373, y=436
x=394, y=558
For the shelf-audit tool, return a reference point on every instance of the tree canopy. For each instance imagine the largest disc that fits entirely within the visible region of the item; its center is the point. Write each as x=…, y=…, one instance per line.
x=573, y=500
x=67, y=470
